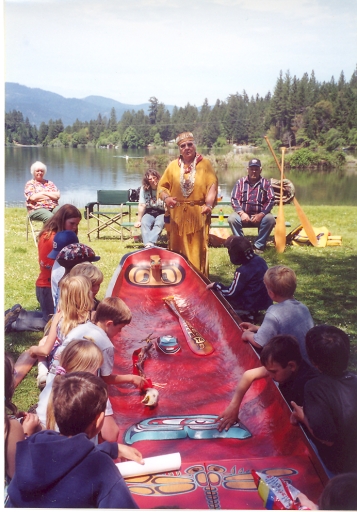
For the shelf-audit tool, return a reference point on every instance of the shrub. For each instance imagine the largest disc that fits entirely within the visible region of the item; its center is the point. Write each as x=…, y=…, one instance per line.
x=334, y=139
x=220, y=142
x=303, y=158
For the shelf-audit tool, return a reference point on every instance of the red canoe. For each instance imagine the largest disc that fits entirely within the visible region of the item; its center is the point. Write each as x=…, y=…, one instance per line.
x=196, y=387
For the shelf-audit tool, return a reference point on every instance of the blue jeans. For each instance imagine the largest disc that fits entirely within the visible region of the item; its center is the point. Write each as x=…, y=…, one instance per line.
x=29, y=321
x=264, y=229
x=151, y=227
x=36, y=320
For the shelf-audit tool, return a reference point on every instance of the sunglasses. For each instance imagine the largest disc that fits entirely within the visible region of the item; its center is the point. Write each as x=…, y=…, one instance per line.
x=188, y=145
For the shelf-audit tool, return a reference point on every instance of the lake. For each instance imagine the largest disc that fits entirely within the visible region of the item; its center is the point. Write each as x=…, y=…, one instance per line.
x=80, y=172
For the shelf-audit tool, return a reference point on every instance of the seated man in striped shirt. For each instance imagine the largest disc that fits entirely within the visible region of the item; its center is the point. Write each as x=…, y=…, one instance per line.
x=252, y=201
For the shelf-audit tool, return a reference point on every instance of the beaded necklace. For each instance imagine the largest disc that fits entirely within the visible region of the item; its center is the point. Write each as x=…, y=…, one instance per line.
x=187, y=185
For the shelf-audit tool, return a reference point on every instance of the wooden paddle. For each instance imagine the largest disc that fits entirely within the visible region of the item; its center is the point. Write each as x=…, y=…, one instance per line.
x=280, y=230
x=303, y=219
x=195, y=341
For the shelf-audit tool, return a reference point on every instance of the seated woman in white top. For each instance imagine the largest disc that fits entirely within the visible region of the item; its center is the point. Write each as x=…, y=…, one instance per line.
x=151, y=209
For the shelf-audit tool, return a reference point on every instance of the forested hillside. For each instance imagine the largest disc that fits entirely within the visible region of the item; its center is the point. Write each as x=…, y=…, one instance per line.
x=301, y=111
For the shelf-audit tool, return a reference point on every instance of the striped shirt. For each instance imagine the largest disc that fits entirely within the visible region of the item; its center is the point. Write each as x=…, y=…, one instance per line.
x=252, y=198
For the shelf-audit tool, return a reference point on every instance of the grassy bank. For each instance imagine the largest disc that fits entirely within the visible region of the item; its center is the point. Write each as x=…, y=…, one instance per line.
x=326, y=277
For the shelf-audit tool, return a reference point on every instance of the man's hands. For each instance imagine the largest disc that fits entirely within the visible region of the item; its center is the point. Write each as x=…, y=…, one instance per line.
x=244, y=216
x=170, y=201
x=254, y=219
x=257, y=218
x=205, y=210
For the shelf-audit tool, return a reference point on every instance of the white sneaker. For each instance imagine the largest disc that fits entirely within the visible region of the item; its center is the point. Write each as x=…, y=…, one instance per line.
x=42, y=375
x=148, y=245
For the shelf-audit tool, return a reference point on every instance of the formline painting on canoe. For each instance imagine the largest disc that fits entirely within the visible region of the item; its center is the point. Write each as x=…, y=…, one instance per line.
x=195, y=383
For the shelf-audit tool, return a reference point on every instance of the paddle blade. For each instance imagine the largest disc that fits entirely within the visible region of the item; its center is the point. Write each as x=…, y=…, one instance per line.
x=305, y=223
x=280, y=231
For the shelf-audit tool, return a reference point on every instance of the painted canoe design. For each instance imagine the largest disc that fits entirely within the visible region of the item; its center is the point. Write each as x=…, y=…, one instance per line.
x=194, y=391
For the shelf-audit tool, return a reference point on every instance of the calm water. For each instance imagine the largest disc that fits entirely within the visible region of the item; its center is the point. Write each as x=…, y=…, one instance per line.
x=79, y=173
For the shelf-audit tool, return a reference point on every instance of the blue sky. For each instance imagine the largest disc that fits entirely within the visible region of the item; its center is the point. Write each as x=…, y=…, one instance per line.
x=177, y=50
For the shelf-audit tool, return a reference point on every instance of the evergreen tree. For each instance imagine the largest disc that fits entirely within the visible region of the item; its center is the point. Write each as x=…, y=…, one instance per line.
x=113, y=124
x=213, y=130
x=153, y=109
x=229, y=120
x=163, y=120
x=42, y=132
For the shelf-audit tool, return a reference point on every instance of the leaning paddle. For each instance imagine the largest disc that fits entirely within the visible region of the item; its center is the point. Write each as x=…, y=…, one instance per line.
x=280, y=230
x=303, y=219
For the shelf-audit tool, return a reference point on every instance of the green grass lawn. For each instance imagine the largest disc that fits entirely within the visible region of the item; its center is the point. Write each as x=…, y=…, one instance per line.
x=326, y=276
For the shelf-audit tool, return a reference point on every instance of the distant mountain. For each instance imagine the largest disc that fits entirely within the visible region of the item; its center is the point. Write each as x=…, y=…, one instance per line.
x=41, y=106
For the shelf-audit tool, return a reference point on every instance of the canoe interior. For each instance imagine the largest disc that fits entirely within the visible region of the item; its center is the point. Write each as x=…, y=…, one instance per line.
x=215, y=472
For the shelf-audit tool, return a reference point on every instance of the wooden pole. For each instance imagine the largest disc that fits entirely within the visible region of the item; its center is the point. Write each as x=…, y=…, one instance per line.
x=303, y=219
x=280, y=230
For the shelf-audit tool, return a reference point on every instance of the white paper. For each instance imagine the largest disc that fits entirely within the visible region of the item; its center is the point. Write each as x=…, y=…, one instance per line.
x=159, y=464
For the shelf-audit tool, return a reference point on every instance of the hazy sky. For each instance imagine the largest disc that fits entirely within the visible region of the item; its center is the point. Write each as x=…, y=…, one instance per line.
x=177, y=50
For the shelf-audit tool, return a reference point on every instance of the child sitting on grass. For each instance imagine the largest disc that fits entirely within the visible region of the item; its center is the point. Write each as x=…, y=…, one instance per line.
x=330, y=400
x=75, y=306
x=288, y=316
x=78, y=356
x=94, y=274
x=247, y=291
x=282, y=361
x=110, y=317
x=65, y=469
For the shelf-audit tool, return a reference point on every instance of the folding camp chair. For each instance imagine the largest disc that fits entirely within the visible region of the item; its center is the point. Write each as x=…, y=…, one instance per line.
x=107, y=219
x=34, y=231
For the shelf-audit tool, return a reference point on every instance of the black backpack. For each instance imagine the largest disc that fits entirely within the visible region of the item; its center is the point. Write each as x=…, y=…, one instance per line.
x=133, y=195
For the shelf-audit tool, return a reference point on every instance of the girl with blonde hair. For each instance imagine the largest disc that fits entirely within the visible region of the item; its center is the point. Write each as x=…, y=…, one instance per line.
x=75, y=306
x=81, y=355
x=93, y=273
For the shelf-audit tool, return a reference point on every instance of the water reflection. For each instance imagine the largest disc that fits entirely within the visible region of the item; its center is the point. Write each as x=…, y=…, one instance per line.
x=79, y=173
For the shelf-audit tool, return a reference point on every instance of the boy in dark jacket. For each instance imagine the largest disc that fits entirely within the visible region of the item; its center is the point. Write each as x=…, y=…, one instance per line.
x=247, y=292
x=330, y=400
x=282, y=361
x=66, y=470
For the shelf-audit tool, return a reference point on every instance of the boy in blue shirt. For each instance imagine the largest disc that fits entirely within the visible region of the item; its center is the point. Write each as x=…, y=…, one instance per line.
x=287, y=316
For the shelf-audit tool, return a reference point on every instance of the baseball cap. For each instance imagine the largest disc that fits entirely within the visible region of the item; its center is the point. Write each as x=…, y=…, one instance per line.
x=61, y=239
x=254, y=163
x=73, y=254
